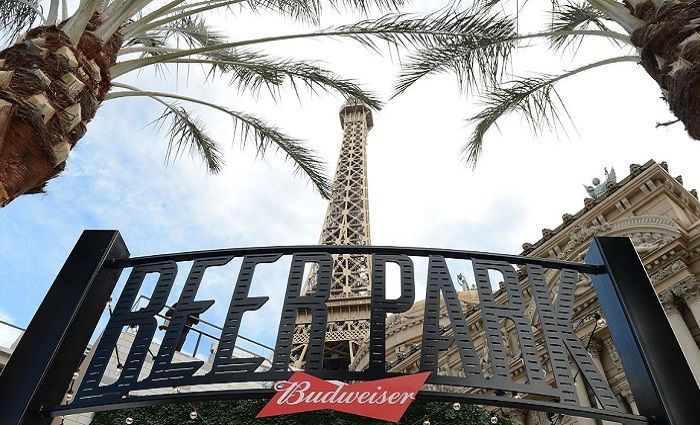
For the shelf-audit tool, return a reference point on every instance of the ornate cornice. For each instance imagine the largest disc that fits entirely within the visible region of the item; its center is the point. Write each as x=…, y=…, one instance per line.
x=667, y=271
x=647, y=220
x=580, y=235
x=589, y=203
x=663, y=180
x=644, y=242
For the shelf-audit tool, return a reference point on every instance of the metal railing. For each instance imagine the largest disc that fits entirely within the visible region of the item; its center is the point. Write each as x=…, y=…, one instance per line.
x=259, y=349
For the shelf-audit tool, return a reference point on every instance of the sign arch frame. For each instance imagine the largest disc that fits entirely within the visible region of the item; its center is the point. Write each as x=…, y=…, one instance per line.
x=659, y=378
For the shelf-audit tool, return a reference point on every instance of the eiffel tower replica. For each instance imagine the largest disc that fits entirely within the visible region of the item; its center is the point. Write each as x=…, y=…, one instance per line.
x=346, y=223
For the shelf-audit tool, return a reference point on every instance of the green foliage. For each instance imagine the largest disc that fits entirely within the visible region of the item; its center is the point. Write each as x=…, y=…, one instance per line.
x=187, y=132
x=242, y=412
x=474, y=46
x=474, y=41
x=310, y=10
x=574, y=16
x=16, y=16
x=535, y=98
x=481, y=59
x=176, y=33
x=251, y=70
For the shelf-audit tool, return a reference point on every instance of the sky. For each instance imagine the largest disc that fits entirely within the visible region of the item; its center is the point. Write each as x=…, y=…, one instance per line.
x=421, y=191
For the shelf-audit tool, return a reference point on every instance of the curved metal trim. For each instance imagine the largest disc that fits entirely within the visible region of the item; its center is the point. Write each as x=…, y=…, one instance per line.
x=357, y=249
x=257, y=393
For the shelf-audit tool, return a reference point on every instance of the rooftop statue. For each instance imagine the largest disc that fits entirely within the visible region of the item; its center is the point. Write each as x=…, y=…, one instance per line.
x=463, y=282
x=598, y=190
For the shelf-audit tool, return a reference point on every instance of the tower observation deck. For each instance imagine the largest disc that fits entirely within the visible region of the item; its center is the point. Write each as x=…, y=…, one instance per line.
x=346, y=223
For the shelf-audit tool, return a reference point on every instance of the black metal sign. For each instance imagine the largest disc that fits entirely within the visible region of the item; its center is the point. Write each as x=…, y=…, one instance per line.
x=91, y=273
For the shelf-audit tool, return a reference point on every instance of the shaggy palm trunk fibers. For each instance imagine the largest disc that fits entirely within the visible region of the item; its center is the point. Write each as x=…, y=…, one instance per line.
x=670, y=50
x=49, y=91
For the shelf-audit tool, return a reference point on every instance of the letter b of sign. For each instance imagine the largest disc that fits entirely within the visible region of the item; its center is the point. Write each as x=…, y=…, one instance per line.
x=144, y=319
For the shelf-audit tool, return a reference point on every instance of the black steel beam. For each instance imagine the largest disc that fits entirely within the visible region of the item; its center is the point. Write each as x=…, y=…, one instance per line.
x=266, y=393
x=42, y=365
x=661, y=381
x=358, y=249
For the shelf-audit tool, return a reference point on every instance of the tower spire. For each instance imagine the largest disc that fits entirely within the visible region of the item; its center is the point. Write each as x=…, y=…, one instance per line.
x=347, y=216
x=346, y=223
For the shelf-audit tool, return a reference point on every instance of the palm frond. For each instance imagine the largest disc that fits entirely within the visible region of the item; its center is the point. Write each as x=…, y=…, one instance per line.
x=76, y=24
x=246, y=127
x=298, y=10
x=365, y=6
x=17, y=16
x=535, y=98
x=52, y=14
x=149, y=45
x=398, y=29
x=190, y=30
x=305, y=160
x=310, y=10
x=250, y=70
x=148, y=40
x=480, y=56
x=168, y=8
x=187, y=133
x=487, y=5
x=171, y=12
x=573, y=16
x=193, y=30
x=422, y=31
x=618, y=12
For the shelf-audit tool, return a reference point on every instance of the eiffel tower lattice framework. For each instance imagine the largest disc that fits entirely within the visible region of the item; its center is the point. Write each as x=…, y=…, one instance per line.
x=346, y=223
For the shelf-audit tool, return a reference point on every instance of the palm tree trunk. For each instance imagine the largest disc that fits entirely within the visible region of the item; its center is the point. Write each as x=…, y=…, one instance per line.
x=670, y=51
x=49, y=91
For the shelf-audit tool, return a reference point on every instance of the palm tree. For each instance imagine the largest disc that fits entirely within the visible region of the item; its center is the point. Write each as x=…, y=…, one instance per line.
x=661, y=35
x=55, y=75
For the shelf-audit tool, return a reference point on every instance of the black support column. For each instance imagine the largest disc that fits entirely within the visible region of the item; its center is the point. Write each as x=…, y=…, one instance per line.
x=659, y=376
x=47, y=355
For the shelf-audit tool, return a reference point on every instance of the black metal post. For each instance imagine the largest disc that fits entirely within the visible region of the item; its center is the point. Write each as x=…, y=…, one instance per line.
x=659, y=376
x=47, y=355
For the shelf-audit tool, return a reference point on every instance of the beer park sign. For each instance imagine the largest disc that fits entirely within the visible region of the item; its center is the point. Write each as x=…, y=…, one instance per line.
x=35, y=380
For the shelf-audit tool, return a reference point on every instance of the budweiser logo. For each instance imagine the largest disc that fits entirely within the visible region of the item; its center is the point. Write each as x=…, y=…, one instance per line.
x=385, y=399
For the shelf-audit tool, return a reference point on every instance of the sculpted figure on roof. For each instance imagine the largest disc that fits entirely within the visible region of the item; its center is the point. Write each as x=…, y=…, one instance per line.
x=599, y=189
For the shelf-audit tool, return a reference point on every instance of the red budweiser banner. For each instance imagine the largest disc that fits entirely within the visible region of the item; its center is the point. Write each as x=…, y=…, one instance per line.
x=385, y=399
